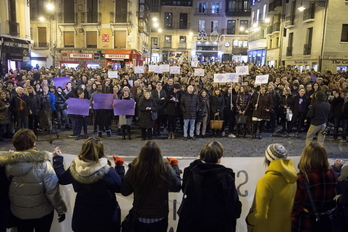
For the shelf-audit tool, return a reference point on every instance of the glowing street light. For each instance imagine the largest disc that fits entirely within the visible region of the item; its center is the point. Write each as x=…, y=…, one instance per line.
x=50, y=6
x=241, y=28
x=155, y=24
x=159, y=30
x=267, y=20
x=155, y=19
x=42, y=19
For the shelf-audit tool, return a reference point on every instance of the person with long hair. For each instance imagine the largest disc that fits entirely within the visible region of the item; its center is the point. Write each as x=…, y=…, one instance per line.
x=211, y=200
x=322, y=181
x=203, y=113
x=243, y=103
x=217, y=106
x=34, y=188
x=150, y=178
x=275, y=193
x=95, y=181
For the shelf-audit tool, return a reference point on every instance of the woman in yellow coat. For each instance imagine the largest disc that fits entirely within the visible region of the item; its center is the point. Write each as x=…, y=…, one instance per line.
x=275, y=193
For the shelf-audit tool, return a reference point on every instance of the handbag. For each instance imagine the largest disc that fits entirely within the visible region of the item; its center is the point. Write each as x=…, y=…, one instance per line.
x=242, y=119
x=216, y=124
x=130, y=221
x=288, y=115
x=154, y=115
x=328, y=221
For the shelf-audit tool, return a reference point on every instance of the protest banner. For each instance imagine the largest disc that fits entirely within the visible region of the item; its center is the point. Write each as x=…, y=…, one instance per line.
x=193, y=64
x=164, y=68
x=199, y=72
x=112, y=74
x=174, y=70
x=78, y=106
x=219, y=78
x=152, y=68
x=138, y=69
x=102, y=101
x=124, y=107
x=60, y=81
x=242, y=70
x=248, y=171
x=232, y=77
x=262, y=79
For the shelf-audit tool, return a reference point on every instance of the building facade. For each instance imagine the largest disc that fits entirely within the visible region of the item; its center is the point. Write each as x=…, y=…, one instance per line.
x=220, y=30
x=110, y=33
x=14, y=35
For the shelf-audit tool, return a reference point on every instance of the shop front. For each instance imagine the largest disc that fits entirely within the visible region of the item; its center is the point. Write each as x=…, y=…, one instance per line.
x=15, y=54
x=257, y=57
x=336, y=65
x=303, y=65
x=117, y=59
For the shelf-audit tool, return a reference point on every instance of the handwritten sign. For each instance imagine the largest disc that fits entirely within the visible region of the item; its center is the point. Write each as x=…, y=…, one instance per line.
x=242, y=70
x=139, y=69
x=193, y=64
x=232, y=77
x=199, y=72
x=262, y=79
x=112, y=74
x=174, y=70
x=164, y=68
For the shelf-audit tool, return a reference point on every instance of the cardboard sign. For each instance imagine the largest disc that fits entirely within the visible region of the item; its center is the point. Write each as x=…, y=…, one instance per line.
x=112, y=74
x=232, y=77
x=139, y=69
x=164, y=68
x=174, y=70
x=242, y=70
x=262, y=79
x=199, y=72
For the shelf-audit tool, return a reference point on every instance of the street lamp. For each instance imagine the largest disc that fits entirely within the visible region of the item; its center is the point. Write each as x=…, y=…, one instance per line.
x=49, y=6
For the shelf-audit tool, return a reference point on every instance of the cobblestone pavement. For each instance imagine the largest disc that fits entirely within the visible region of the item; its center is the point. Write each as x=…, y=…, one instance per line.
x=234, y=147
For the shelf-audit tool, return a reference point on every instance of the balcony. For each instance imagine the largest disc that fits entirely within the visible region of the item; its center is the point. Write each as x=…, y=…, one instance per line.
x=41, y=45
x=269, y=30
x=65, y=19
x=13, y=28
x=308, y=15
x=273, y=6
x=257, y=33
x=307, y=49
x=289, y=21
x=212, y=12
x=167, y=44
x=182, y=45
x=276, y=27
x=91, y=17
x=238, y=12
x=288, y=51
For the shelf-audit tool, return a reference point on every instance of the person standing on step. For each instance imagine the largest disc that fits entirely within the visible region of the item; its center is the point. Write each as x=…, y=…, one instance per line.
x=147, y=109
x=125, y=121
x=172, y=109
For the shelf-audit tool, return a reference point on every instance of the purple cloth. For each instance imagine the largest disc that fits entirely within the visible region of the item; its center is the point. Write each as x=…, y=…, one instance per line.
x=102, y=101
x=61, y=81
x=124, y=107
x=78, y=106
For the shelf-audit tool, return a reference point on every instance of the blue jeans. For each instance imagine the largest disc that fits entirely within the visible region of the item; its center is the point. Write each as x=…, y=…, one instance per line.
x=160, y=226
x=192, y=126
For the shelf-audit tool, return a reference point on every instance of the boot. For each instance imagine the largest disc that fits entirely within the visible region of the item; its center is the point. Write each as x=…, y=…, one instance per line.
x=129, y=137
x=173, y=135
x=108, y=133
x=170, y=135
x=100, y=134
x=129, y=133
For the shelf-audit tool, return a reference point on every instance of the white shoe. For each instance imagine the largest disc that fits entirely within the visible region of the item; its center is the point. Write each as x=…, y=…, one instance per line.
x=223, y=133
x=231, y=136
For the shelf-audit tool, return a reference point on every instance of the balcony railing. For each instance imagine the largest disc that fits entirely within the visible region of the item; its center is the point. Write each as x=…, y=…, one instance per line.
x=182, y=45
x=269, y=30
x=307, y=49
x=176, y=26
x=238, y=12
x=288, y=51
x=87, y=17
x=71, y=19
x=13, y=28
x=202, y=11
x=41, y=45
x=308, y=14
x=167, y=44
x=276, y=27
x=289, y=21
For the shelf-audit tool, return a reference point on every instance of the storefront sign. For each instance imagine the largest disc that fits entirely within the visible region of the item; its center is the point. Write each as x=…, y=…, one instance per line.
x=116, y=56
x=26, y=59
x=301, y=61
x=340, y=61
x=81, y=55
x=14, y=44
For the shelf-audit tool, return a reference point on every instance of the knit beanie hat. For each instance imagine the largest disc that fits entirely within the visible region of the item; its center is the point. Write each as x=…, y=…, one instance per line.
x=276, y=151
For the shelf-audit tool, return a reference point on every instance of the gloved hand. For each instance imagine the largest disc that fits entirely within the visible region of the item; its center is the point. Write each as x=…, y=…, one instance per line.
x=118, y=161
x=61, y=217
x=173, y=161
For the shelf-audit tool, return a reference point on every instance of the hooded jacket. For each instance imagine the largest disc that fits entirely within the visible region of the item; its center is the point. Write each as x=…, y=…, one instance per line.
x=34, y=188
x=274, y=198
x=212, y=202
x=96, y=208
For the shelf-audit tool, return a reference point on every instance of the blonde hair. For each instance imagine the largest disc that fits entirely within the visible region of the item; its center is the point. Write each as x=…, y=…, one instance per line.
x=27, y=92
x=314, y=156
x=92, y=149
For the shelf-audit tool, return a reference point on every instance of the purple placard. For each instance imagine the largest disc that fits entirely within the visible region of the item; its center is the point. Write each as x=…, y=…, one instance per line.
x=78, y=106
x=124, y=107
x=314, y=78
x=61, y=81
x=102, y=101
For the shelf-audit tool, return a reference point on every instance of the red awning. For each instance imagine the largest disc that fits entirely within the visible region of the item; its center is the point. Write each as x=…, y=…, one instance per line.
x=127, y=52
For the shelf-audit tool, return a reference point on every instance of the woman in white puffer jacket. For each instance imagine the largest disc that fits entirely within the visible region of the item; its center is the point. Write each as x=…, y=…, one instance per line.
x=34, y=188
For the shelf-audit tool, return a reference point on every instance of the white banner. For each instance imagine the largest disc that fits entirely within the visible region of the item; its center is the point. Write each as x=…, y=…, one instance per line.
x=242, y=70
x=152, y=68
x=164, y=68
x=226, y=77
x=174, y=70
x=262, y=79
x=193, y=64
x=199, y=72
x=139, y=69
x=232, y=77
x=112, y=74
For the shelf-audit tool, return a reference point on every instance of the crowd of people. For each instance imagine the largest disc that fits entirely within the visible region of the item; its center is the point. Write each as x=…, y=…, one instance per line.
x=284, y=200
x=168, y=103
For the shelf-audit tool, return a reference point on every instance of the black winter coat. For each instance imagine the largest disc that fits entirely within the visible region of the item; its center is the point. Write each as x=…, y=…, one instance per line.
x=145, y=116
x=212, y=202
x=265, y=102
x=337, y=106
x=172, y=107
x=189, y=104
x=228, y=109
x=60, y=101
x=34, y=103
x=243, y=102
x=217, y=105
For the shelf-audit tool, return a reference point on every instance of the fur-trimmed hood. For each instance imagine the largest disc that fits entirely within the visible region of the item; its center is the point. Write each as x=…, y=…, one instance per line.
x=88, y=172
x=21, y=162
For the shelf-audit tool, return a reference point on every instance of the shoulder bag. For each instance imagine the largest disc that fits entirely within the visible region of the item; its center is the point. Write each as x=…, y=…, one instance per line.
x=216, y=124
